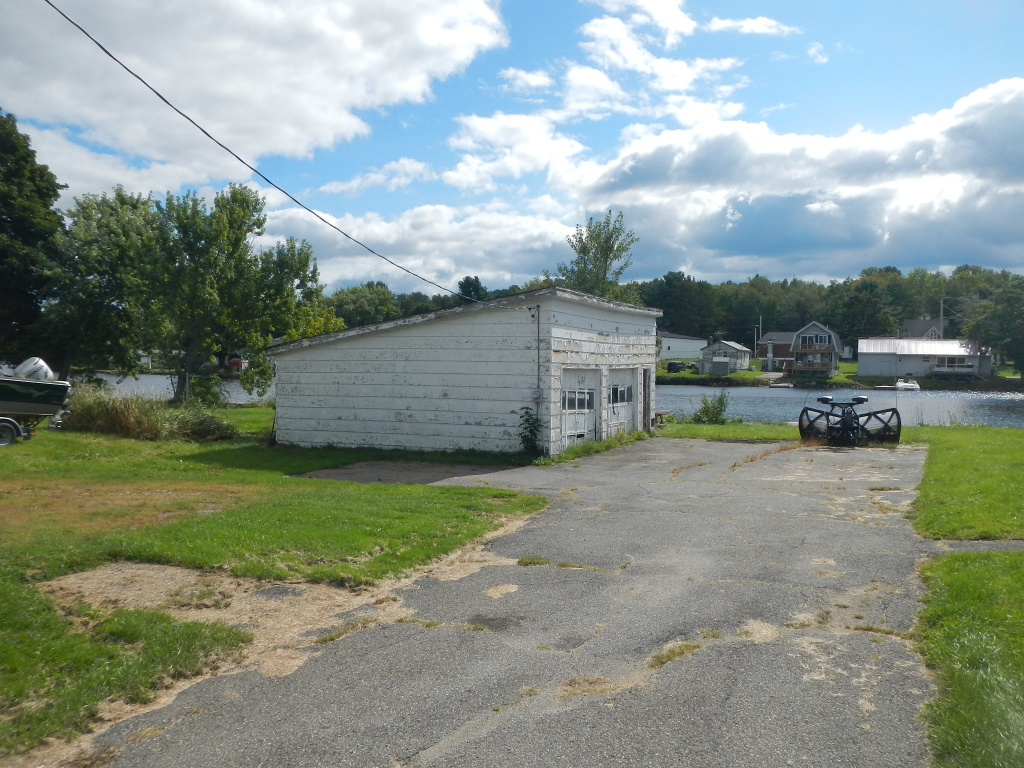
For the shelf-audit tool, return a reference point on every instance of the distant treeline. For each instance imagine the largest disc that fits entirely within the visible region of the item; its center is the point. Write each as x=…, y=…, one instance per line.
x=976, y=302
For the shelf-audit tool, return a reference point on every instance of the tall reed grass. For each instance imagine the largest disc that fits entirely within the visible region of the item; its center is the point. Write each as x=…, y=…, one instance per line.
x=94, y=409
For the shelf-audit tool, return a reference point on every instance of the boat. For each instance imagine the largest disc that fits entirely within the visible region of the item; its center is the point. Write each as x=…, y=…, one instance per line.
x=906, y=384
x=841, y=425
x=28, y=397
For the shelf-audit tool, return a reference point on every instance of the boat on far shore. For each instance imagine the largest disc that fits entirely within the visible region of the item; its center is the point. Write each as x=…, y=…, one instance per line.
x=905, y=385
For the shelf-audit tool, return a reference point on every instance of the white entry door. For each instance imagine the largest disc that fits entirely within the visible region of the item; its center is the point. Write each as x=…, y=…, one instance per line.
x=621, y=401
x=579, y=406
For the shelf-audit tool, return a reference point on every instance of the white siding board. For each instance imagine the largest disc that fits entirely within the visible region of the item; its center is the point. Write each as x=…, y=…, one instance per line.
x=311, y=413
x=453, y=382
x=429, y=396
x=411, y=367
x=404, y=442
x=489, y=432
x=486, y=401
x=418, y=349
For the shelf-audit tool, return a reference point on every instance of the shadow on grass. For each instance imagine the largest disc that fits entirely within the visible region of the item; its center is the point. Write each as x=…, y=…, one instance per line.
x=290, y=460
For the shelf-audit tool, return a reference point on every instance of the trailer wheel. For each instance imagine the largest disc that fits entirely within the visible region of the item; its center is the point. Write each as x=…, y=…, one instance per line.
x=7, y=434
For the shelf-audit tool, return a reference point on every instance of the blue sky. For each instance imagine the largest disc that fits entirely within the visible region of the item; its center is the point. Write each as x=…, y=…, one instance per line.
x=787, y=139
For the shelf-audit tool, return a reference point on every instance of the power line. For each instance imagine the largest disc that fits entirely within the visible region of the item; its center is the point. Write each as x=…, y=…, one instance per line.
x=231, y=152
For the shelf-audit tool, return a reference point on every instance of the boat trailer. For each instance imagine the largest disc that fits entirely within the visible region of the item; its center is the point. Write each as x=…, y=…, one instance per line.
x=841, y=425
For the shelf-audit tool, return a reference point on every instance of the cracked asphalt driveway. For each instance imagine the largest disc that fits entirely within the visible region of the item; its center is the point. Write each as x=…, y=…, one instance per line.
x=778, y=581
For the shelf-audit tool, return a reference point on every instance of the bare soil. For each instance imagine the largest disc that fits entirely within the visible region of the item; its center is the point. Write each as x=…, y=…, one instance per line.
x=285, y=618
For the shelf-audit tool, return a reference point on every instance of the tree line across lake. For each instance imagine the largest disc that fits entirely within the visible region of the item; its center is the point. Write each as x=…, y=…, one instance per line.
x=116, y=274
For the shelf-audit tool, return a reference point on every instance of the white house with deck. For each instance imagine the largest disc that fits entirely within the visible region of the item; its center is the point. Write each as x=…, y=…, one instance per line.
x=941, y=358
x=460, y=378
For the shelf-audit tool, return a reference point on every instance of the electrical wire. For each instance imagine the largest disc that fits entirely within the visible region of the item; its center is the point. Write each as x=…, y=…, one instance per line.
x=252, y=168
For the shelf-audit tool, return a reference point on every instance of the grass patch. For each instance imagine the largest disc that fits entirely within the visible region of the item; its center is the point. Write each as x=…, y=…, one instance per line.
x=55, y=670
x=748, y=431
x=972, y=630
x=971, y=487
x=672, y=652
x=71, y=501
x=533, y=560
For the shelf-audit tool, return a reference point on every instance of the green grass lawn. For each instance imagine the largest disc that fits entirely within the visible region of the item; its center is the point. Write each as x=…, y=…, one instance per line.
x=972, y=635
x=73, y=501
x=973, y=485
x=972, y=626
x=750, y=431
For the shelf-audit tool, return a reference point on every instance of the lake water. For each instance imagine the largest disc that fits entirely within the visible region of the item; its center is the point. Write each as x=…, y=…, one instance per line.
x=159, y=386
x=996, y=409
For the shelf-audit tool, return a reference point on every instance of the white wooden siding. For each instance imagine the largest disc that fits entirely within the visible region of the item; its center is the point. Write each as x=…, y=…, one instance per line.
x=444, y=385
x=458, y=380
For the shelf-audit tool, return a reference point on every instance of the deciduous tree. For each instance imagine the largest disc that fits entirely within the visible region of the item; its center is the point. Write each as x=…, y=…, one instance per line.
x=28, y=224
x=97, y=310
x=602, y=251
x=371, y=302
x=216, y=294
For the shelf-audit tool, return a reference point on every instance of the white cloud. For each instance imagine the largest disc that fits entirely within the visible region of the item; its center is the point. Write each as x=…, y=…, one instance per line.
x=613, y=44
x=264, y=77
x=521, y=81
x=590, y=92
x=441, y=243
x=505, y=145
x=667, y=15
x=942, y=187
x=393, y=175
x=816, y=53
x=762, y=25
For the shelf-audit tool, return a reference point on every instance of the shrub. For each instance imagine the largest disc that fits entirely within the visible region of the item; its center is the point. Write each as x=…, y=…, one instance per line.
x=192, y=422
x=529, y=430
x=95, y=410
x=712, y=411
x=206, y=391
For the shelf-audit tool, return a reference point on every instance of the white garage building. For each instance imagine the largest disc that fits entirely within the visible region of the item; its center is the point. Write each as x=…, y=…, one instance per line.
x=458, y=379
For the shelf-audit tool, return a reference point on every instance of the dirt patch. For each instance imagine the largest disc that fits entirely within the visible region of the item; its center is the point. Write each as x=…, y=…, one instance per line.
x=408, y=472
x=279, y=621
x=500, y=590
x=285, y=619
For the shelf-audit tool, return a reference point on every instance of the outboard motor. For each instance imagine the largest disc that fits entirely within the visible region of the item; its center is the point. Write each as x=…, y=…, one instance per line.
x=34, y=368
